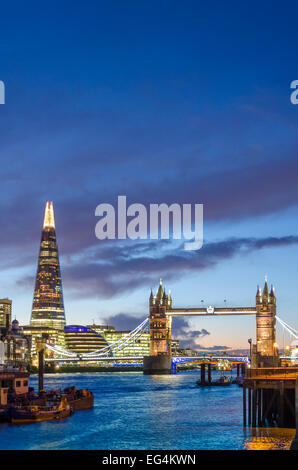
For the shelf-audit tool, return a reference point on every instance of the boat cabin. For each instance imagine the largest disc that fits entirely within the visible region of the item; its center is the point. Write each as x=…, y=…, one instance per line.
x=15, y=381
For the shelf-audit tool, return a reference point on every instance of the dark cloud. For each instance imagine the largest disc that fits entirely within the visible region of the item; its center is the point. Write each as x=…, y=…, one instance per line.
x=182, y=330
x=122, y=321
x=275, y=242
x=236, y=196
x=109, y=271
x=179, y=325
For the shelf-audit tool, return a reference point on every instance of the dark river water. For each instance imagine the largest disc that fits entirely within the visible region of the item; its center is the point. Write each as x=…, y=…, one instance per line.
x=133, y=411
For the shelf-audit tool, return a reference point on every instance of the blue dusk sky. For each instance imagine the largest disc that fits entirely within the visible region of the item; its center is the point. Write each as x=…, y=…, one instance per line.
x=161, y=101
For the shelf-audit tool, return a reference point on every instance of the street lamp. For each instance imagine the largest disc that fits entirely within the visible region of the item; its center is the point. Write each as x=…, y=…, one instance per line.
x=250, y=343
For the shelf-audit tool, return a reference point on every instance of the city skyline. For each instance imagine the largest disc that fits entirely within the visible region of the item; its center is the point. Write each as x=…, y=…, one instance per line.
x=181, y=327
x=146, y=102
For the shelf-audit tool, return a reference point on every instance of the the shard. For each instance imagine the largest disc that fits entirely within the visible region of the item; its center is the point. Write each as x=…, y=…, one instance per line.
x=48, y=306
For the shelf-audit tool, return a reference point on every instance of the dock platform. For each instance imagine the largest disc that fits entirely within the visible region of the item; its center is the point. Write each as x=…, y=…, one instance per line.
x=269, y=397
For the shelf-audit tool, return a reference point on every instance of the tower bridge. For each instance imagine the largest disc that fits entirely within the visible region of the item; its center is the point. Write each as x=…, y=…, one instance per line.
x=159, y=322
x=161, y=312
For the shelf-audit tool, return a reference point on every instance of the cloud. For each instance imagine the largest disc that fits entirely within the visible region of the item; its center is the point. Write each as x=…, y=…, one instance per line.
x=110, y=270
x=212, y=348
x=182, y=330
x=122, y=321
x=82, y=182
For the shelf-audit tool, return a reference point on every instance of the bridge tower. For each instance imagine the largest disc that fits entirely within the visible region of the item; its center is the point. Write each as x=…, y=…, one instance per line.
x=160, y=324
x=266, y=326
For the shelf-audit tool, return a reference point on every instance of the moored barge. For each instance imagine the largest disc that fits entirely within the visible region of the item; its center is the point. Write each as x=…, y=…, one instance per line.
x=38, y=413
x=19, y=403
x=79, y=399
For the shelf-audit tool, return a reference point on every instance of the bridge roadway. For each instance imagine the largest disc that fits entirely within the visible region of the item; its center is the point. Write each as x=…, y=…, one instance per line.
x=175, y=359
x=211, y=311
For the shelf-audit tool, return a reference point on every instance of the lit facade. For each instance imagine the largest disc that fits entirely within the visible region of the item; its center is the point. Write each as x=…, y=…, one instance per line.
x=5, y=309
x=48, y=306
x=266, y=321
x=293, y=353
x=160, y=323
x=140, y=347
x=81, y=339
x=175, y=347
x=53, y=336
x=16, y=345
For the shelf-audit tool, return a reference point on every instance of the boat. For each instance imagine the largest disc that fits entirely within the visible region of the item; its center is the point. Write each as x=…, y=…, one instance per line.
x=3, y=414
x=222, y=381
x=79, y=399
x=38, y=413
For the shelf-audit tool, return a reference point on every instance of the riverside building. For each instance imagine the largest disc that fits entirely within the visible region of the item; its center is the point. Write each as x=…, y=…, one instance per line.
x=53, y=336
x=15, y=345
x=82, y=339
x=5, y=309
x=140, y=347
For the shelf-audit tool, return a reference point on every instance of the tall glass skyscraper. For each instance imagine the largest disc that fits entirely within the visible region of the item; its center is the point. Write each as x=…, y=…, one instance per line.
x=48, y=306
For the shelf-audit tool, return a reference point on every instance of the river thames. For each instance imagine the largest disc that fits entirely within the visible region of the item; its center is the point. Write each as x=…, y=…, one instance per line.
x=133, y=411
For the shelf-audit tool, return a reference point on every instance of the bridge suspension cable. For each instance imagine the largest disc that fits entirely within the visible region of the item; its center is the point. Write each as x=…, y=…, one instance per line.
x=107, y=350
x=121, y=341
x=287, y=327
x=59, y=350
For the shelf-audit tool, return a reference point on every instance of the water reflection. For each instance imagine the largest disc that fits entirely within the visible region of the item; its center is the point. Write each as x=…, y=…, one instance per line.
x=133, y=411
x=268, y=438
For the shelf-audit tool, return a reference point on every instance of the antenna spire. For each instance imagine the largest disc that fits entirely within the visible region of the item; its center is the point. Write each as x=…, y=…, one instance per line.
x=49, y=219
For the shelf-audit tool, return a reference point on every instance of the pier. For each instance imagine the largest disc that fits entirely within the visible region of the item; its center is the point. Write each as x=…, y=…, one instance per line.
x=269, y=397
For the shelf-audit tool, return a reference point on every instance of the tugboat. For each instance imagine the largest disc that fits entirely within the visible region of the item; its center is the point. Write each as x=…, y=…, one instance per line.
x=37, y=413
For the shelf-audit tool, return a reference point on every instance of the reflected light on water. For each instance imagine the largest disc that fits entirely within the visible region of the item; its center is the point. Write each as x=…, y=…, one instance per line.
x=268, y=438
x=136, y=412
